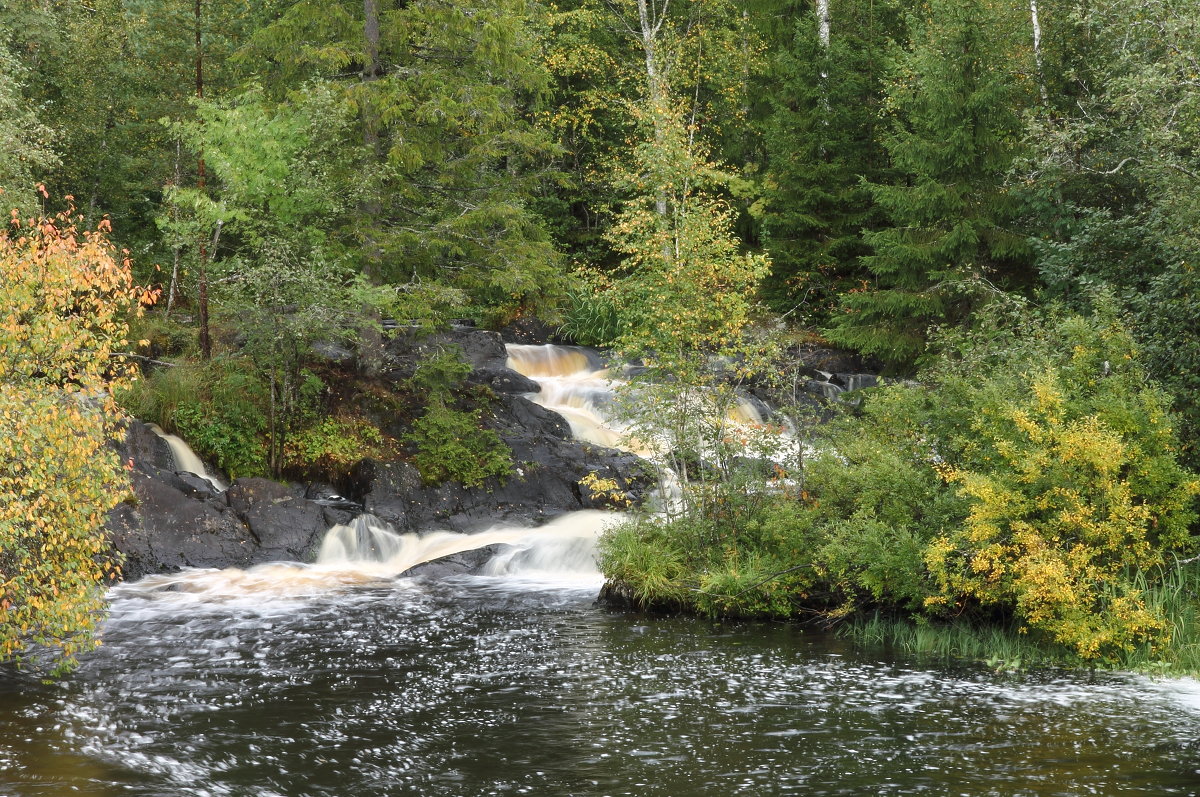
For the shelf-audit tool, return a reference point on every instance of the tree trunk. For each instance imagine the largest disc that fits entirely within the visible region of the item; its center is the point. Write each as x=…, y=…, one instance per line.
x=650, y=21
x=175, y=250
x=823, y=26
x=371, y=209
x=1037, y=50
x=202, y=255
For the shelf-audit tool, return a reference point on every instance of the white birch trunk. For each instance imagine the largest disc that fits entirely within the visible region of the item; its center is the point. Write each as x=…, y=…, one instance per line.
x=1037, y=49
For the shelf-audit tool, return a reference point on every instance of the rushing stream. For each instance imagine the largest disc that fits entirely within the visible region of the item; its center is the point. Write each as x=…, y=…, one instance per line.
x=514, y=685
x=344, y=678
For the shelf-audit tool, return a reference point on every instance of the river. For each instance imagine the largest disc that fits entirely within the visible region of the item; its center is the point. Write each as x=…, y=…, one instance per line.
x=519, y=684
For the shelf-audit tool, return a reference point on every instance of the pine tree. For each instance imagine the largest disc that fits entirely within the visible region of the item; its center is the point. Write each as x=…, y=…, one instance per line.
x=955, y=107
x=445, y=160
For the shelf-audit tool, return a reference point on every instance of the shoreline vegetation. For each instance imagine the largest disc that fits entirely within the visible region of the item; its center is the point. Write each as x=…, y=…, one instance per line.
x=1024, y=493
x=992, y=204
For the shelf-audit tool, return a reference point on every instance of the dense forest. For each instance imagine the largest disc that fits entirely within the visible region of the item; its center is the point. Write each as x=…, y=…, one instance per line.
x=993, y=203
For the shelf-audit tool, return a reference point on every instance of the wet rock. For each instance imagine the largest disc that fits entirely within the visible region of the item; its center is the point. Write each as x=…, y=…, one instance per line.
x=334, y=352
x=504, y=380
x=327, y=496
x=458, y=564
x=544, y=482
x=143, y=448
x=162, y=529
x=480, y=348
x=286, y=527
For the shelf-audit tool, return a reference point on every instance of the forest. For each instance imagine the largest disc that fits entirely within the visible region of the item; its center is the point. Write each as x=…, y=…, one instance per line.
x=995, y=205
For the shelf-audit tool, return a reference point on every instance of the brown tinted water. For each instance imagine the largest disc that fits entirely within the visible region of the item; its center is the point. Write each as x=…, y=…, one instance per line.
x=520, y=685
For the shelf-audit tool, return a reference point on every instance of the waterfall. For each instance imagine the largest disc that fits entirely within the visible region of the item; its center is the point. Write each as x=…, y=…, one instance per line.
x=368, y=550
x=186, y=460
x=575, y=384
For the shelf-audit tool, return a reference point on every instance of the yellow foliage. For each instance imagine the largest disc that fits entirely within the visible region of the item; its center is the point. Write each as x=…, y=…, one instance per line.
x=1064, y=510
x=65, y=297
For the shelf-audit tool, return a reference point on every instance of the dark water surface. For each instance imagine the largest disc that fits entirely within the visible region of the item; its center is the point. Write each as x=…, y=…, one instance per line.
x=486, y=686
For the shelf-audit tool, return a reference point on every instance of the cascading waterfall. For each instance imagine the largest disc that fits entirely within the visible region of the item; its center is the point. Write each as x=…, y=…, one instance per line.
x=186, y=460
x=367, y=550
x=577, y=385
x=574, y=384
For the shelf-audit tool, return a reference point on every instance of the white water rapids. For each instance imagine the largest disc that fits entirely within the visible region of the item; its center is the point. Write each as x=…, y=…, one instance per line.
x=561, y=553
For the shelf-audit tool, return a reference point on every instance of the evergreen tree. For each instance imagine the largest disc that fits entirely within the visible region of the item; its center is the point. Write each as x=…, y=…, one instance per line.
x=821, y=141
x=24, y=141
x=955, y=110
x=444, y=162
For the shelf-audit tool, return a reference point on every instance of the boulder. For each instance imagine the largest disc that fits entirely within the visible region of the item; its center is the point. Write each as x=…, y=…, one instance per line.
x=162, y=529
x=504, y=380
x=286, y=527
x=480, y=348
x=544, y=483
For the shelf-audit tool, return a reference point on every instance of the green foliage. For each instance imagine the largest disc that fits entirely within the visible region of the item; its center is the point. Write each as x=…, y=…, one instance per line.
x=157, y=396
x=683, y=283
x=955, y=128
x=648, y=559
x=431, y=147
x=590, y=318
x=332, y=446
x=25, y=141
x=233, y=441
x=439, y=374
x=822, y=139
x=1170, y=341
x=453, y=444
x=1034, y=477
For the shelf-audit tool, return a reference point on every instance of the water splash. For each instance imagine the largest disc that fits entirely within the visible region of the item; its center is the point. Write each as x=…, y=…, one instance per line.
x=576, y=385
x=369, y=551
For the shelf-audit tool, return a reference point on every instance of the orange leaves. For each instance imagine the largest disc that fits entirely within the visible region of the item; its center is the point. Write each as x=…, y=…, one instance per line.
x=64, y=304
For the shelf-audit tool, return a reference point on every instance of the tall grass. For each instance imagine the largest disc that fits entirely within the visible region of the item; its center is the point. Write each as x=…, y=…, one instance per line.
x=1000, y=646
x=156, y=397
x=1171, y=592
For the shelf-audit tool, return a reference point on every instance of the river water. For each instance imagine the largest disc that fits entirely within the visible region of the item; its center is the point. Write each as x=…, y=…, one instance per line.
x=519, y=684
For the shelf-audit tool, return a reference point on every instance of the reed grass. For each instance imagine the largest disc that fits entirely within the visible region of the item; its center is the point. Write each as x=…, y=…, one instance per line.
x=1171, y=591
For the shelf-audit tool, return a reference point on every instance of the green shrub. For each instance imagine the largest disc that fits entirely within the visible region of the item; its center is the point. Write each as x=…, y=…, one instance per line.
x=156, y=397
x=332, y=446
x=1033, y=479
x=452, y=444
x=234, y=442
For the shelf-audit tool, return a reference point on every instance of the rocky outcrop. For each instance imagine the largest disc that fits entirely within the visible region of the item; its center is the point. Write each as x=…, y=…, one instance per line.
x=545, y=482
x=176, y=520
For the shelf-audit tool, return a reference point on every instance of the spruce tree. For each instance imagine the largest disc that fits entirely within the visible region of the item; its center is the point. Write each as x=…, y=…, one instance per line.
x=445, y=161
x=955, y=111
x=820, y=136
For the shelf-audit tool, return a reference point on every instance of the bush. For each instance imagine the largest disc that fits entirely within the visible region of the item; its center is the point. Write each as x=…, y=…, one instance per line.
x=452, y=444
x=332, y=446
x=1033, y=478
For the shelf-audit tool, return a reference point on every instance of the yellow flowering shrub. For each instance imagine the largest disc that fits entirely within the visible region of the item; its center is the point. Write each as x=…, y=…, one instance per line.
x=1071, y=489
